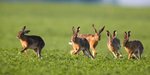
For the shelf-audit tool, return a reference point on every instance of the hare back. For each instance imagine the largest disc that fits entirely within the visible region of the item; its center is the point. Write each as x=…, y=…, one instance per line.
x=83, y=43
x=116, y=43
x=135, y=45
x=90, y=37
x=35, y=42
x=85, y=35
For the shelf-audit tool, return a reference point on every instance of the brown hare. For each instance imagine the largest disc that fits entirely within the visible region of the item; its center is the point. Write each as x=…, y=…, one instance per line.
x=79, y=43
x=93, y=39
x=30, y=41
x=113, y=44
x=133, y=48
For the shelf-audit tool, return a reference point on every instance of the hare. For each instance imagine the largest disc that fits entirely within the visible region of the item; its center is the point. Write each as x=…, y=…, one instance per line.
x=30, y=41
x=79, y=43
x=93, y=39
x=133, y=48
x=113, y=44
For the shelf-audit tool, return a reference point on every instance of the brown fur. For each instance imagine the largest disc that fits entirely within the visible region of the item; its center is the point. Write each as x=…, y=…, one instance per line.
x=79, y=43
x=93, y=39
x=30, y=41
x=113, y=44
x=133, y=48
x=23, y=43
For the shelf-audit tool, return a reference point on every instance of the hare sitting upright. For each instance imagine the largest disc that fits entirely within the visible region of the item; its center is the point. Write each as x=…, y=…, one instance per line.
x=30, y=41
x=133, y=48
x=113, y=44
x=79, y=43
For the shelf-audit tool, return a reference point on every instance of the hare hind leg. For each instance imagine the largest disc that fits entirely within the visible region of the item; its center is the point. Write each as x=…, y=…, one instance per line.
x=136, y=54
x=38, y=52
x=88, y=53
x=139, y=54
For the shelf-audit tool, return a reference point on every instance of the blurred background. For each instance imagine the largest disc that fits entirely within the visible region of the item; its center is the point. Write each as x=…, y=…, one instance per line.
x=53, y=19
x=113, y=2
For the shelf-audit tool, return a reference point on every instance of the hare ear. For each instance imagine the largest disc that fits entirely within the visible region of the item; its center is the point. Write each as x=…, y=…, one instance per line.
x=114, y=33
x=107, y=32
x=73, y=30
x=125, y=35
x=101, y=30
x=26, y=31
x=129, y=33
x=23, y=28
x=94, y=28
x=78, y=29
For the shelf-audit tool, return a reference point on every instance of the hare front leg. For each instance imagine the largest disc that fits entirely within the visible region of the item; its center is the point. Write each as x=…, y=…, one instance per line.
x=120, y=54
x=72, y=52
x=114, y=54
x=77, y=51
x=130, y=55
x=23, y=50
x=93, y=46
x=94, y=52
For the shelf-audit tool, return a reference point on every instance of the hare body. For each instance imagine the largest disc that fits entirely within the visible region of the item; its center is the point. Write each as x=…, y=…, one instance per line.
x=31, y=42
x=133, y=48
x=93, y=39
x=79, y=43
x=113, y=44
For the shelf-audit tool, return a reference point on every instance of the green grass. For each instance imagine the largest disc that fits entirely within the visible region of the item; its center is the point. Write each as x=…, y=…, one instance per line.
x=54, y=22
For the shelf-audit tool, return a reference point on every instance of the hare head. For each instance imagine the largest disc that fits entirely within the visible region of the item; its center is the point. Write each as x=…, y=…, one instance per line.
x=75, y=34
x=98, y=33
x=22, y=32
x=126, y=37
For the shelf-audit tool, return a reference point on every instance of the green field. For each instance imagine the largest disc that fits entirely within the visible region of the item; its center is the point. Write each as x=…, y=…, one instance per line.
x=53, y=22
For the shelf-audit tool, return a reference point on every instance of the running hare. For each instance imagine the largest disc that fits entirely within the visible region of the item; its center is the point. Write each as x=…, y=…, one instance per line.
x=79, y=43
x=133, y=48
x=93, y=39
x=113, y=44
x=30, y=41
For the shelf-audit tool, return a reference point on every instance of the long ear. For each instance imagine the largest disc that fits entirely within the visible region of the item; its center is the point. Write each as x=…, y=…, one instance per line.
x=76, y=33
x=73, y=30
x=125, y=35
x=26, y=31
x=101, y=30
x=114, y=33
x=107, y=33
x=129, y=33
x=23, y=28
x=94, y=28
x=78, y=29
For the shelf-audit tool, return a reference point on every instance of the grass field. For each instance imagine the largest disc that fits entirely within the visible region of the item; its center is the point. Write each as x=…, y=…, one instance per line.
x=54, y=22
